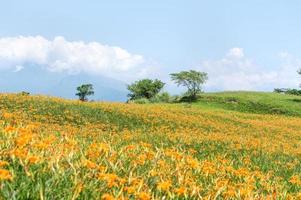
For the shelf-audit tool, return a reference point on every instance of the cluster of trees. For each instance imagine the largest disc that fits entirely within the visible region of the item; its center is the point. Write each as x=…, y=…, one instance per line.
x=289, y=90
x=150, y=90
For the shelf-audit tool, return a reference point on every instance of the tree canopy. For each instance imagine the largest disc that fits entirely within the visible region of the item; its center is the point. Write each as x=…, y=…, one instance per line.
x=145, y=88
x=84, y=91
x=191, y=79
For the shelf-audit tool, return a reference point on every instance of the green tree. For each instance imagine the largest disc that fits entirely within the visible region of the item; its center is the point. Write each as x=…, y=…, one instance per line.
x=84, y=91
x=145, y=88
x=192, y=80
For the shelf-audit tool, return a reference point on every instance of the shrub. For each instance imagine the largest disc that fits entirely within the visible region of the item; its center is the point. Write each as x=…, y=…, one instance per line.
x=288, y=91
x=163, y=97
x=140, y=101
x=23, y=93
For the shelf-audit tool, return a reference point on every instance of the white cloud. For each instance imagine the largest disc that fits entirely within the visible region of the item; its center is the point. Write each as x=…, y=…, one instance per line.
x=18, y=68
x=60, y=55
x=236, y=53
x=235, y=71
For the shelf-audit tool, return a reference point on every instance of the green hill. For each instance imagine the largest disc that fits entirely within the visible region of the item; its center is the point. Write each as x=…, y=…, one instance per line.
x=252, y=102
x=53, y=148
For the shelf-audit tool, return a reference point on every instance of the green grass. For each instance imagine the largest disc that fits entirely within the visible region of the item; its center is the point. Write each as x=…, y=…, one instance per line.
x=252, y=102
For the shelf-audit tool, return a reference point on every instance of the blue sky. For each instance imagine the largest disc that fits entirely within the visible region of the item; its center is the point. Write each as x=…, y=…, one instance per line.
x=243, y=45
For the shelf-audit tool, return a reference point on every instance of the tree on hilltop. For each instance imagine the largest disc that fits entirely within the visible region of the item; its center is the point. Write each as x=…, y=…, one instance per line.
x=192, y=80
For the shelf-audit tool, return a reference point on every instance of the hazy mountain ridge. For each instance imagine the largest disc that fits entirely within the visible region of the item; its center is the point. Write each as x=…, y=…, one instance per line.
x=39, y=81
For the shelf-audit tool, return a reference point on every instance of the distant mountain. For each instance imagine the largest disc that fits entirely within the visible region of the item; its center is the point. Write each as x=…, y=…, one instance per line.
x=106, y=89
x=38, y=81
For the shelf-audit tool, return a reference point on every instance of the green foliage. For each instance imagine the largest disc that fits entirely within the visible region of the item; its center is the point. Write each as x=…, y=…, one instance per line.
x=294, y=92
x=288, y=91
x=192, y=80
x=145, y=88
x=23, y=93
x=279, y=90
x=140, y=101
x=163, y=97
x=84, y=91
x=175, y=98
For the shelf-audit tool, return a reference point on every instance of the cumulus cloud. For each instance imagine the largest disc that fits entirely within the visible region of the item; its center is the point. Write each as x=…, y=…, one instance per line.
x=235, y=71
x=60, y=55
x=236, y=53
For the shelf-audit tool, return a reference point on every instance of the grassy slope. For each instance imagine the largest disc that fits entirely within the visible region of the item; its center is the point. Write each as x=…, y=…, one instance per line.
x=253, y=102
x=214, y=146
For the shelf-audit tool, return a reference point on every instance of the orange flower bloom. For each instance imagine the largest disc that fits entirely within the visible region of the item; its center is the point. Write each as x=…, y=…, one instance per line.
x=107, y=197
x=143, y=196
x=164, y=186
x=89, y=164
x=180, y=191
x=3, y=163
x=5, y=175
x=33, y=159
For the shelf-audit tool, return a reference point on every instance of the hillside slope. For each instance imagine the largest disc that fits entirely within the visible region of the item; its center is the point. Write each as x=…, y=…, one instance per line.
x=53, y=148
x=253, y=102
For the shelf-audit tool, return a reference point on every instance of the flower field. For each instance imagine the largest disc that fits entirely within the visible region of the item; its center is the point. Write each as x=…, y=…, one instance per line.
x=53, y=148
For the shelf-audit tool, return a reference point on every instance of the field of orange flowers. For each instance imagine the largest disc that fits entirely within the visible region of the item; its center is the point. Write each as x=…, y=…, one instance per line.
x=52, y=148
